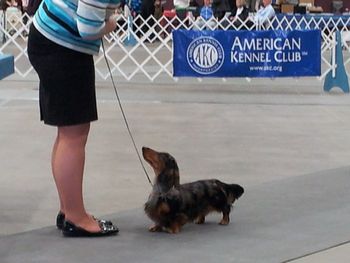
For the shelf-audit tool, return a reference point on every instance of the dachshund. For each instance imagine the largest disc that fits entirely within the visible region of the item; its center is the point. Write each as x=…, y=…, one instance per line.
x=171, y=204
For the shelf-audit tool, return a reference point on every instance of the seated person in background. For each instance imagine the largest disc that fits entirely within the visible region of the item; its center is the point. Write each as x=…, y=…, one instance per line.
x=194, y=9
x=220, y=7
x=11, y=3
x=264, y=13
x=239, y=16
x=158, y=9
x=15, y=4
x=147, y=9
x=181, y=4
x=180, y=7
x=206, y=18
x=194, y=3
x=158, y=13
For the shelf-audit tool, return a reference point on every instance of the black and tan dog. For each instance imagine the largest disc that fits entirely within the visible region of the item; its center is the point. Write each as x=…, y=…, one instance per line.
x=171, y=204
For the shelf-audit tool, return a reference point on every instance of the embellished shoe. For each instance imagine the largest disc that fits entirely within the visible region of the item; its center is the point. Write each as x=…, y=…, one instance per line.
x=61, y=216
x=71, y=230
x=60, y=220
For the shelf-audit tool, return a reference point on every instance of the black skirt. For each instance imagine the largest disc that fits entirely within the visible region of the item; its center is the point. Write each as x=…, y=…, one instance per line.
x=67, y=81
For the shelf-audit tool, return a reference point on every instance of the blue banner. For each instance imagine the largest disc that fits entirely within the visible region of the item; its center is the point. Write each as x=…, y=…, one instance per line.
x=272, y=53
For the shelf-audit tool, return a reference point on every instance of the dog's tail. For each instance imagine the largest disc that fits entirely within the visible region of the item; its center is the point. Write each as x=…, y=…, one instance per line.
x=236, y=190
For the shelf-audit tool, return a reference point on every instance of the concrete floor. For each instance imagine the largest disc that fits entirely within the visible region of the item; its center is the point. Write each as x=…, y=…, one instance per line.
x=285, y=141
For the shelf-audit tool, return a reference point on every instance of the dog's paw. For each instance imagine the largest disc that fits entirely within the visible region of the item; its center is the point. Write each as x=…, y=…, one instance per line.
x=224, y=222
x=155, y=228
x=200, y=220
x=172, y=231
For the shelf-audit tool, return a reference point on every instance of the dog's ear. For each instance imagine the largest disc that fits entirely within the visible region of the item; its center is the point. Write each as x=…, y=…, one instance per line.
x=176, y=178
x=236, y=190
x=172, y=165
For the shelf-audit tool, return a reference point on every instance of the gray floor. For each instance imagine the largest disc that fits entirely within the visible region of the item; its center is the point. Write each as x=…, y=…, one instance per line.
x=285, y=141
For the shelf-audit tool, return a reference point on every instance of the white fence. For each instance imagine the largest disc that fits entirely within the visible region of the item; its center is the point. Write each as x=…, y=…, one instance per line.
x=143, y=48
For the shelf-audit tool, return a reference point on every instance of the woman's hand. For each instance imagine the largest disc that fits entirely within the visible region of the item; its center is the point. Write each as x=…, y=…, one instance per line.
x=111, y=24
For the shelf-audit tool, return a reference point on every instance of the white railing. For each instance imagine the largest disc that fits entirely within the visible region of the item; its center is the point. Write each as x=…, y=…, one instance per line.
x=143, y=48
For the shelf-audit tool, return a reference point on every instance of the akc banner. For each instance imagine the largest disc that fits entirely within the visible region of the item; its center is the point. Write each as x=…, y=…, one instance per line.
x=272, y=53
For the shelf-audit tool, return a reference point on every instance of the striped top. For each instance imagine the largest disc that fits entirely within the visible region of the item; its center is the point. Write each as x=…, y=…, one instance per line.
x=73, y=23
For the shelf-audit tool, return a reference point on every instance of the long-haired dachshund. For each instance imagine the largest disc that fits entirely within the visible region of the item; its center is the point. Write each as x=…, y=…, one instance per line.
x=171, y=204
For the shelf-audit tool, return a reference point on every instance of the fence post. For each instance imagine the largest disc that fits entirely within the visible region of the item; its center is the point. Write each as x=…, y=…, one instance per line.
x=130, y=39
x=340, y=78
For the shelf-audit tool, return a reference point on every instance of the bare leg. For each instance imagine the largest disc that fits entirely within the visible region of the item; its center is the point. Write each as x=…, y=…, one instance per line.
x=68, y=159
x=53, y=158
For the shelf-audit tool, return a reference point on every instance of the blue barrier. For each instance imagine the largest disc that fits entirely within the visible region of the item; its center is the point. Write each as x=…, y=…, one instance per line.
x=230, y=53
x=310, y=21
x=7, y=66
x=341, y=78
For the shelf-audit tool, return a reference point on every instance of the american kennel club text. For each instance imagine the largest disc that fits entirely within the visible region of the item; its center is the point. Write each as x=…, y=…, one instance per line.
x=266, y=50
x=206, y=55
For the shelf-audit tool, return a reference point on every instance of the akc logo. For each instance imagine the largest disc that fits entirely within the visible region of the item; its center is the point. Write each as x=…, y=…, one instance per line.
x=205, y=55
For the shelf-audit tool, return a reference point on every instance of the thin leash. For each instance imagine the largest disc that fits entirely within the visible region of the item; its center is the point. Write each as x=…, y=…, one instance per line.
x=123, y=114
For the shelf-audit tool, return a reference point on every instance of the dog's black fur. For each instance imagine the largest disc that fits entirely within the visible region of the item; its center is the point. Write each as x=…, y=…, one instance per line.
x=171, y=204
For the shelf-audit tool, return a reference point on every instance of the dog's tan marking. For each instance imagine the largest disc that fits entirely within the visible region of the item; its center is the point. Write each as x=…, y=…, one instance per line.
x=175, y=228
x=155, y=228
x=225, y=220
x=163, y=208
x=200, y=219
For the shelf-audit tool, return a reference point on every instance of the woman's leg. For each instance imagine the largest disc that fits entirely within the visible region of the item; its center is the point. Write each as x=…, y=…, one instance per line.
x=53, y=160
x=68, y=159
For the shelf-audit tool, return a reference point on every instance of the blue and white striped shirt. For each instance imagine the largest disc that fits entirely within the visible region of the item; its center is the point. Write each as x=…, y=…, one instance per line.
x=74, y=23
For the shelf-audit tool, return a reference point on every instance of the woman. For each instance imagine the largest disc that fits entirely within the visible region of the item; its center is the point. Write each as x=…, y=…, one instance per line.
x=206, y=18
x=265, y=13
x=63, y=38
x=220, y=7
x=240, y=15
